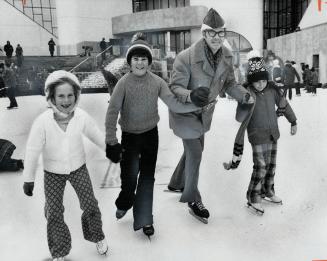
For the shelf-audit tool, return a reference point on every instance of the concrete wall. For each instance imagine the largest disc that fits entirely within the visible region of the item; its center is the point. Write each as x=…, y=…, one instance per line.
x=19, y=29
x=85, y=20
x=241, y=16
x=301, y=46
x=160, y=19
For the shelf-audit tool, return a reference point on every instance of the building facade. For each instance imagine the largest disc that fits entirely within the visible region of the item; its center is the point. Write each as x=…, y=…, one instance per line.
x=170, y=25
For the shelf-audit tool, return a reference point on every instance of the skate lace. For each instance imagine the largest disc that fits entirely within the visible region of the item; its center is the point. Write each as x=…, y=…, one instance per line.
x=200, y=205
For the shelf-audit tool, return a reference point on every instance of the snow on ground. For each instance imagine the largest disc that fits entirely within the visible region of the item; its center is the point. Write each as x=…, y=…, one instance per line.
x=295, y=231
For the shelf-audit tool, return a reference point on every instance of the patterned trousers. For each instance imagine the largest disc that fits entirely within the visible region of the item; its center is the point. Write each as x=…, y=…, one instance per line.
x=264, y=165
x=59, y=239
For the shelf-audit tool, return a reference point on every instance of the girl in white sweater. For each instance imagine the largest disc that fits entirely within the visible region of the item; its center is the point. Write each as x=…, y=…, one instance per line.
x=57, y=133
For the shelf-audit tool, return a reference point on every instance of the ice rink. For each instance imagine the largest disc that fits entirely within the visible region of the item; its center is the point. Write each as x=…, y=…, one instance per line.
x=295, y=231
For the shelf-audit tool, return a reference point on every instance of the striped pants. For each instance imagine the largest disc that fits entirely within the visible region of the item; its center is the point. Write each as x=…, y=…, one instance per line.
x=264, y=165
x=59, y=239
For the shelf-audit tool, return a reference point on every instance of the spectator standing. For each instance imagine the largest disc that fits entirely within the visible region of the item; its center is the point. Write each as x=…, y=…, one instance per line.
x=51, y=44
x=103, y=46
x=8, y=50
x=289, y=76
x=19, y=55
x=9, y=79
x=314, y=81
x=296, y=81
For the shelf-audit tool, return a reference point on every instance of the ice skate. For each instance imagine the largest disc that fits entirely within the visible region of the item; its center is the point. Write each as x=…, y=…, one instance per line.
x=274, y=199
x=173, y=190
x=199, y=211
x=148, y=230
x=59, y=259
x=256, y=207
x=102, y=247
x=120, y=213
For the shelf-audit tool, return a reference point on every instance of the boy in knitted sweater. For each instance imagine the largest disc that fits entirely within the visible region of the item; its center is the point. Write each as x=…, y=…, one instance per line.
x=260, y=120
x=135, y=97
x=58, y=134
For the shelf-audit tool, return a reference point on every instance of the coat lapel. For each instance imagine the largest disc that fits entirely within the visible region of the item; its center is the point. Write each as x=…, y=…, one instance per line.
x=199, y=56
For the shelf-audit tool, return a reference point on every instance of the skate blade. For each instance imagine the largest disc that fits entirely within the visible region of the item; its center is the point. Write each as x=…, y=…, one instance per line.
x=273, y=202
x=256, y=211
x=203, y=220
x=172, y=191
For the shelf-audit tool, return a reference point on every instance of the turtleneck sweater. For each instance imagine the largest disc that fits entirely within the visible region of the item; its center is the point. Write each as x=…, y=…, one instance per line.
x=136, y=99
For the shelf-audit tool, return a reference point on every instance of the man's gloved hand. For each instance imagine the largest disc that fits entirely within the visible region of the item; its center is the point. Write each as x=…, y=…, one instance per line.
x=231, y=165
x=247, y=99
x=200, y=96
x=114, y=152
x=28, y=188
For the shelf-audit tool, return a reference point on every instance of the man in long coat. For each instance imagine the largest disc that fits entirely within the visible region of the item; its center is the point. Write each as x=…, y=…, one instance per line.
x=200, y=74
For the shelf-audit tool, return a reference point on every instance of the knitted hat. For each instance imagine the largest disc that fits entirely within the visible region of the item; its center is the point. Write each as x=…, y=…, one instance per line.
x=139, y=46
x=57, y=76
x=212, y=20
x=257, y=70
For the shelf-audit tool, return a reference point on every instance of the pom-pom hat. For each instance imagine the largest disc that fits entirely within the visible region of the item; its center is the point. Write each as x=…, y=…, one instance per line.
x=257, y=70
x=139, y=46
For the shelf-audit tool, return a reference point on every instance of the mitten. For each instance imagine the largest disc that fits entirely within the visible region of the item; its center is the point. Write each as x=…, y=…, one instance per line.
x=113, y=152
x=231, y=164
x=200, y=96
x=28, y=188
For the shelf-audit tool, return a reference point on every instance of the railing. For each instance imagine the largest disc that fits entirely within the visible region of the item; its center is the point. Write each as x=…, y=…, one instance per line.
x=95, y=62
x=78, y=65
x=96, y=57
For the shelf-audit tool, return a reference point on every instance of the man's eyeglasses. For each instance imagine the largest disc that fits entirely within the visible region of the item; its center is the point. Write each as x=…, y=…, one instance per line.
x=213, y=33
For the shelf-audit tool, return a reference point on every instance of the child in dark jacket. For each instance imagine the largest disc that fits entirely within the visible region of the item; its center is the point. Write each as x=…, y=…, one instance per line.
x=260, y=120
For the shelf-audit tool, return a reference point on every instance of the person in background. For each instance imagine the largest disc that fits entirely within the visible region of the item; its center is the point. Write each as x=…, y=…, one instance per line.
x=19, y=55
x=7, y=163
x=314, y=81
x=289, y=75
x=296, y=81
x=9, y=79
x=51, y=45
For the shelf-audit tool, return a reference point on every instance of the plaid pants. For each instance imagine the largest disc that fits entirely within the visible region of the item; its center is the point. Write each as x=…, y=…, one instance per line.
x=264, y=165
x=59, y=239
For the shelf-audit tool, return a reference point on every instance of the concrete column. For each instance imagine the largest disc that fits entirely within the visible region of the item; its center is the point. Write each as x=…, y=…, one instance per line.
x=167, y=43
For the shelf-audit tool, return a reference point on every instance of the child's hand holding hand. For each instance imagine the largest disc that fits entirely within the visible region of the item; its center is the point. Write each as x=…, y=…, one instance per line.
x=114, y=152
x=231, y=165
x=28, y=188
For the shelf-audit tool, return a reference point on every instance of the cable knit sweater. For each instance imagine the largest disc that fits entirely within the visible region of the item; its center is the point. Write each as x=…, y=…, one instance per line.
x=63, y=151
x=136, y=98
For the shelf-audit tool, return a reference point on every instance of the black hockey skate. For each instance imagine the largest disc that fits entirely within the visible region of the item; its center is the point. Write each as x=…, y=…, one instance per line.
x=256, y=208
x=199, y=211
x=120, y=213
x=148, y=231
x=173, y=190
